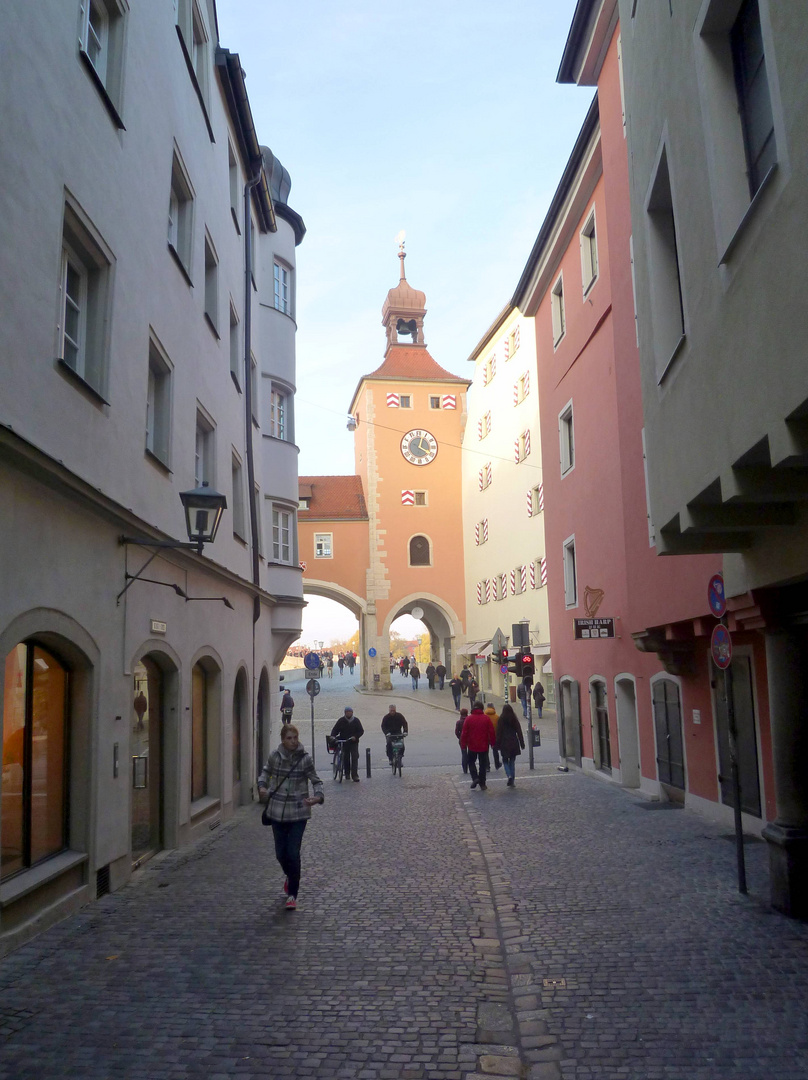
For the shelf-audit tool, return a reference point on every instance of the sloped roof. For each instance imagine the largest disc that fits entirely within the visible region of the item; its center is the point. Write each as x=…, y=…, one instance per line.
x=412, y=362
x=336, y=497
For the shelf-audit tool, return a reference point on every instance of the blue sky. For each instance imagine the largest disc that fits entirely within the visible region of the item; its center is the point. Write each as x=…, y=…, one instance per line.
x=441, y=118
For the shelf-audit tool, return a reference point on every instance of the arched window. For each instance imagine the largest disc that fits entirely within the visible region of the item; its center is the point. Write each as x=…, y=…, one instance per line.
x=34, y=821
x=420, y=554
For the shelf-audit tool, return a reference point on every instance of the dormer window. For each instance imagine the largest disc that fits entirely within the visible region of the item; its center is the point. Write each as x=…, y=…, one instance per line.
x=304, y=502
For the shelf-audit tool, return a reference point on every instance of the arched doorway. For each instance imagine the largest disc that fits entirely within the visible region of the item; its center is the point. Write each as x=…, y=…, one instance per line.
x=241, y=710
x=262, y=722
x=147, y=756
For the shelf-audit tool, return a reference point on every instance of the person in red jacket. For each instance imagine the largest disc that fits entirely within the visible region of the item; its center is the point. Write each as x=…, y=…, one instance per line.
x=477, y=736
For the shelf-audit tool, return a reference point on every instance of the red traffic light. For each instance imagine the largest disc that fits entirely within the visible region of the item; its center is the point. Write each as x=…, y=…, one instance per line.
x=528, y=664
x=503, y=653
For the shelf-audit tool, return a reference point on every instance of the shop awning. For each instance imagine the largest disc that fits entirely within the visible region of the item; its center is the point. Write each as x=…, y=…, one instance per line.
x=472, y=648
x=548, y=668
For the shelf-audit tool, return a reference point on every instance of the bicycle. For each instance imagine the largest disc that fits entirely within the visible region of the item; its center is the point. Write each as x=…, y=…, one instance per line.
x=396, y=744
x=336, y=747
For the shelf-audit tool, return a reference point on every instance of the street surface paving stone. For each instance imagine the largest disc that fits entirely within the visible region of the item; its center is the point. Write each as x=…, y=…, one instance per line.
x=429, y=918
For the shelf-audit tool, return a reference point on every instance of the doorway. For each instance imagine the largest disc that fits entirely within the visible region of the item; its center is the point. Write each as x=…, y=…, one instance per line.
x=627, y=733
x=147, y=761
x=670, y=745
x=746, y=736
x=569, y=722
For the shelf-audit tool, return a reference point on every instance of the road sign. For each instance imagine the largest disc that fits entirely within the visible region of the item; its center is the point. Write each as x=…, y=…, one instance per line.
x=479, y=660
x=721, y=646
x=313, y=687
x=371, y=652
x=311, y=661
x=715, y=595
x=503, y=668
x=498, y=641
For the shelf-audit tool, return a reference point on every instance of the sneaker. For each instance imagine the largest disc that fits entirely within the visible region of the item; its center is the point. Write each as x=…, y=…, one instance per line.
x=291, y=903
x=355, y=779
x=286, y=886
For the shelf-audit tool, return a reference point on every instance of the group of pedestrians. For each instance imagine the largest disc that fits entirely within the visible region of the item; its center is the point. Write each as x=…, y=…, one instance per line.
x=483, y=729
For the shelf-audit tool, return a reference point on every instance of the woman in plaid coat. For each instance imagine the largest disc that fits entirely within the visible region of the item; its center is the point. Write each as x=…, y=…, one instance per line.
x=285, y=778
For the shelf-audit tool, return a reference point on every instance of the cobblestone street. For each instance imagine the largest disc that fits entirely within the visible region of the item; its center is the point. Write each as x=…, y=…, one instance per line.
x=560, y=929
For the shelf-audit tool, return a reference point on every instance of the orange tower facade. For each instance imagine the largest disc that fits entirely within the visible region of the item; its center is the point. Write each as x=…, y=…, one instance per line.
x=409, y=415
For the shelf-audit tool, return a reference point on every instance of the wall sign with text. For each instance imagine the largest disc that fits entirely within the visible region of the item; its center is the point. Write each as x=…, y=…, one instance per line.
x=586, y=629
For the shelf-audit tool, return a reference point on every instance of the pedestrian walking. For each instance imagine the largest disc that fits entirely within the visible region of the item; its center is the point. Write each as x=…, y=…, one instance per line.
x=472, y=689
x=510, y=741
x=522, y=691
x=341, y=663
x=415, y=674
x=477, y=736
x=456, y=686
x=465, y=675
x=464, y=754
x=329, y=667
x=406, y=665
x=538, y=698
x=492, y=713
x=440, y=671
x=322, y=667
x=284, y=785
x=350, y=660
x=430, y=675
x=349, y=727
x=287, y=706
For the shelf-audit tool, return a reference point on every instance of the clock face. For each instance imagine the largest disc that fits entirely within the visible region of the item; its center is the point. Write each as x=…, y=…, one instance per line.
x=419, y=447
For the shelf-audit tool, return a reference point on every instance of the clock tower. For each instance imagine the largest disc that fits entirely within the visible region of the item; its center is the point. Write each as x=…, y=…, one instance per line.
x=409, y=416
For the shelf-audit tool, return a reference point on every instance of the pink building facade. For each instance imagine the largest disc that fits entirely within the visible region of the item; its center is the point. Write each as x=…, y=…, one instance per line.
x=639, y=700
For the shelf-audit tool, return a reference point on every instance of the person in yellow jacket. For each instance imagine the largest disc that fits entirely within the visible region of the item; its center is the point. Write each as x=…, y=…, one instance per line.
x=492, y=712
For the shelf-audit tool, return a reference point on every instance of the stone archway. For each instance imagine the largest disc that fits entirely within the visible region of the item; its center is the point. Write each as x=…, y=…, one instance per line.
x=440, y=620
x=358, y=606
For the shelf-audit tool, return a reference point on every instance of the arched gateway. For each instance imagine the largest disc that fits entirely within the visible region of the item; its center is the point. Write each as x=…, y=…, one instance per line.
x=387, y=541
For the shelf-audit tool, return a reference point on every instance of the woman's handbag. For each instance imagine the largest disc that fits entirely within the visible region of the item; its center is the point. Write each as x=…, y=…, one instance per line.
x=265, y=818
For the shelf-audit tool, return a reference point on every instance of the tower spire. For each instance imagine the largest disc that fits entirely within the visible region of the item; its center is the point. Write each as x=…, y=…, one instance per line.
x=404, y=309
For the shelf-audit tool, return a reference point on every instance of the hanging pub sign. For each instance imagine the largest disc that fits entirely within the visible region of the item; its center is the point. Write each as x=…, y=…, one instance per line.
x=586, y=629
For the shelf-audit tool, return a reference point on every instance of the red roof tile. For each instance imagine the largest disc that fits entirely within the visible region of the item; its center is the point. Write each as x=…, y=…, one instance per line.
x=413, y=362
x=337, y=497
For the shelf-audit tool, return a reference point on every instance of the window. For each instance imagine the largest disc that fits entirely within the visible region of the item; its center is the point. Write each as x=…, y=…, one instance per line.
x=512, y=343
x=211, y=286
x=600, y=710
x=203, y=451
x=481, y=532
x=194, y=36
x=519, y=579
x=502, y=587
x=35, y=788
x=484, y=425
x=434, y=401
x=254, y=389
x=651, y=529
x=566, y=437
x=570, y=574
x=405, y=401
x=589, y=254
x=668, y=318
x=277, y=414
x=420, y=498
x=259, y=533
x=180, y=215
x=557, y=305
x=521, y=447
x=282, y=289
x=485, y=476
x=282, y=524
x=483, y=591
x=323, y=545
x=420, y=554
x=536, y=500
x=253, y=253
x=158, y=405
x=101, y=45
x=239, y=514
x=84, y=300
x=235, y=346
x=521, y=388
x=754, y=100
x=489, y=369
x=235, y=185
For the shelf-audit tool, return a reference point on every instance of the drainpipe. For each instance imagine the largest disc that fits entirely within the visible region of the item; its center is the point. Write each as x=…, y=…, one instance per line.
x=248, y=392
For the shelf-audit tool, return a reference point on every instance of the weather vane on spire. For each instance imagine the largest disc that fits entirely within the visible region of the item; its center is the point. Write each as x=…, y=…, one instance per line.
x=400, y=240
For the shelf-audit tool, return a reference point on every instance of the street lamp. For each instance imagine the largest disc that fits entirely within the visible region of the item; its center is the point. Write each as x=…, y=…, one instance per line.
x=204, y=507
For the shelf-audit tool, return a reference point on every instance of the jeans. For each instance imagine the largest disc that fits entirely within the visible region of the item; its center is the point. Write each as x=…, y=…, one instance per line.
x=509, y=764
x=440, y=681
x=415, y=682
x=288, y=838
x=456, y=696
x=350, y=757
x=464, y=759
x=479, y=765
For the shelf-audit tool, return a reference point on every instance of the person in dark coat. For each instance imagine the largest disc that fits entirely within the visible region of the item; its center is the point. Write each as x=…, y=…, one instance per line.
x=465, y=675
x=456, y=686
x=430, y=675
x=510, y=741
x=464, y=754
x=440, y=671
x=472, y=689
x=349, y=727
x=522, y=692
x=538, y=698
x=415, y=675
x=393, y=723
x=287, y=705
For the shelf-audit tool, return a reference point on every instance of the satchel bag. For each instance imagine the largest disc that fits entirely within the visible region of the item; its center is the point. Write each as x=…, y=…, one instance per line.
x=265, y=818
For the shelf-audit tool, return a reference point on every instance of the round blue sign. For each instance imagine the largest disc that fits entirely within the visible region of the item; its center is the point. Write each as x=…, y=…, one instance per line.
x=721, y=647
x=311, y=661
x=715, y=595
x=371, y=652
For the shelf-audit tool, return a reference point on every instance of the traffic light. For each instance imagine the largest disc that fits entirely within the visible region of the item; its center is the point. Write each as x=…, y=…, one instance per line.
x=528, y=668
x=515, y=664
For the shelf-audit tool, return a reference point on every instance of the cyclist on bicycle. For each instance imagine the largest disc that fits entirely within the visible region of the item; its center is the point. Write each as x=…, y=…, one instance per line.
x=349, y=727
x=393, y=723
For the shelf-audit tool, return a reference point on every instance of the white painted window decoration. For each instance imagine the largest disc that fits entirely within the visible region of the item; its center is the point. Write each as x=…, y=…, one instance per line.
x=180, y=214
x=535, y=500
x=485, y=476
x=512, y=343
x=158, y=405
x=570, y=573
x=449, y=401
x=204, y=455
x=521, y=448
x=277, y=414
x=85, y=295
x=542, y=571
x=323, y=545
x=566, y=436
x=392, y=401
x=503, y=587
x=211, y=285
x=101, y=44
x=479, y=592
x=557, y=310
x=283, y=294
x=589, y=253
x=408, y=497
x=194, y=34
x=512, y=576
x=532, y=573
